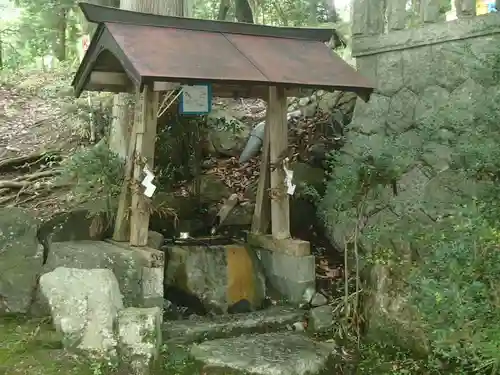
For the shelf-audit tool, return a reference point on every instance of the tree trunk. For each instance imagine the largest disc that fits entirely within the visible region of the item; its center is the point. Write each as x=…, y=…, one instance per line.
x=122, y=110
x=333, y=16
x=243, y=11
x=61, y=35
x=313, y=12
x=89, y=28
x=1, y=53
x=223, y=9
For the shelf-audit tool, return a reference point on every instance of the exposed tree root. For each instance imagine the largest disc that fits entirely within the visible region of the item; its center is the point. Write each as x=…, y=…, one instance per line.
x=28, y=160
x=32, y=185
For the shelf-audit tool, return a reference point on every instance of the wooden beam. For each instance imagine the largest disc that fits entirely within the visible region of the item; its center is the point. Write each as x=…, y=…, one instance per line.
x=262, y=212
x=165, y=86
x=278, y=144
x=119, y=82
x=109, y=79
x=144, y=155
x=122, y=222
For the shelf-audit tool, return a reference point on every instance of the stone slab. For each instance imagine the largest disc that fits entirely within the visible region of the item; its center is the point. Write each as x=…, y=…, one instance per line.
x=270, y=320
x=153, y=257
x=266, y=354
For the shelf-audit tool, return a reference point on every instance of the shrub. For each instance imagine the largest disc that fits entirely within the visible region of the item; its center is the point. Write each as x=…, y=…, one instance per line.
x=96, y=174
x=452, y=275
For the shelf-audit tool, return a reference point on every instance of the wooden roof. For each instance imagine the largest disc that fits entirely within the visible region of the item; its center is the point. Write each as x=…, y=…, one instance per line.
x=131, y=49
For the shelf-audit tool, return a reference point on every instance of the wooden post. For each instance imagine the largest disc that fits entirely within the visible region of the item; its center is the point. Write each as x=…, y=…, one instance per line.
x=122, y=222
x=262, y=212
x=278, y=142
x=144, y=155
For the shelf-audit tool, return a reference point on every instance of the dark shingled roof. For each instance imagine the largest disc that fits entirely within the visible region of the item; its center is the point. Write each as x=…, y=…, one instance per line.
x=151, y=48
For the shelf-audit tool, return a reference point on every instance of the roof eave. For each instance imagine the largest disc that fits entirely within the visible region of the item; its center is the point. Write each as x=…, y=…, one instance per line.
x=103, y=40
x=99, y=14
x=80, y=77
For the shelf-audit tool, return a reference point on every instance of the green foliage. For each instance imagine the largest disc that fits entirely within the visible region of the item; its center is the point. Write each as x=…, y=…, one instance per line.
x=53, y=28
x=365, y=174
x=385, y=359
x=278, y=13
x=96, y=174
x=32, y=346
x=456, y=291
x=178, y=148
x=307, y=192
x=449, y=268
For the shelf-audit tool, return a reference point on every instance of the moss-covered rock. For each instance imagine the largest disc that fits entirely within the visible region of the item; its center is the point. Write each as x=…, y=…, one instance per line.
x=139, y=339
x=20, y=260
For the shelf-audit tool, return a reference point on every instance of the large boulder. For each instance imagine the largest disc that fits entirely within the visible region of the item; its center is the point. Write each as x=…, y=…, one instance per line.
x=228, y=134
x=126, y=264
x=76, y=225
x=84, y=306
x=212, y=189
x=20, y=260
x=219, y=276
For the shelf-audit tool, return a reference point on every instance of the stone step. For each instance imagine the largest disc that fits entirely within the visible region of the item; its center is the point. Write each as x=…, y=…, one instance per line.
x=289, y=353
x=274, y=319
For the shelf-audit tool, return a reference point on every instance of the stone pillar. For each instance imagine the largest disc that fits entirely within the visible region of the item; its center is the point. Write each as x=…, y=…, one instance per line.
x=396, y=12
x=465, y=8
x=429, y=11
x=368, y=17
x=152, y=286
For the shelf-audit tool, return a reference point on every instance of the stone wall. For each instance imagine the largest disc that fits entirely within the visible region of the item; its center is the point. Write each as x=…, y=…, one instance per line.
x=416, y=71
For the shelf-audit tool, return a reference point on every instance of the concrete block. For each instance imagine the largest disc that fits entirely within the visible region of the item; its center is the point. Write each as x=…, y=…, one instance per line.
x=291, y=290
x=152, y=286
x=296, y=268
x=321, y=318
